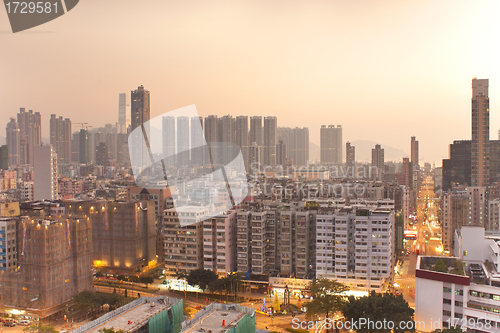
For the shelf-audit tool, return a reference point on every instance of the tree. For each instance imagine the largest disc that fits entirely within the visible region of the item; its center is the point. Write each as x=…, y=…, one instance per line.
x=201, y=278
x=327, y=298
x=86, y=301
x=39, y=328
x=146, y=280
x=379, y=307
x=217, y=286
x=440, y=266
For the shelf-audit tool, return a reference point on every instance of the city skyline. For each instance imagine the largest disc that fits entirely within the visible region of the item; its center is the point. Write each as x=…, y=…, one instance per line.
x=429, y=52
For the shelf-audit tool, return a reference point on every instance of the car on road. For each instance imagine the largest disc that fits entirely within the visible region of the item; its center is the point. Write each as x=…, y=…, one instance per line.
x=165, y=282
x=9, y=324
x=24, y=322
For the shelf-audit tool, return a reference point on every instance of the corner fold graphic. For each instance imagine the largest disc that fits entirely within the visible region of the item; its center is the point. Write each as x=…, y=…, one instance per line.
x=23, y=17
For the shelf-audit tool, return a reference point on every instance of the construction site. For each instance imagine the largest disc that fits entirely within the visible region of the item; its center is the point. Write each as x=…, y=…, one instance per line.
x=123, y=233
x=54, y=262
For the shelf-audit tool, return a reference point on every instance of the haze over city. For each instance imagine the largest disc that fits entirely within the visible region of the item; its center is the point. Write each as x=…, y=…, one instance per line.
x=384, y=70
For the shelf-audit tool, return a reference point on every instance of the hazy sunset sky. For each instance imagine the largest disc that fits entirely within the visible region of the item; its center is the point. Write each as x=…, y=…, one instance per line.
x=384, y=70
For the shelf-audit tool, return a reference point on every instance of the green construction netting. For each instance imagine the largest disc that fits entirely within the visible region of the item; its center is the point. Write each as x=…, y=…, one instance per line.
x=245, y=325
x=167, y=321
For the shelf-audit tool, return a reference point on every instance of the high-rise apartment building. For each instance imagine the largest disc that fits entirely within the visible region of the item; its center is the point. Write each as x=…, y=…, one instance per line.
x=256, y=130
x=45, y=173
x=60, y=138
x=219, y=243
x=13, y=142
x=198, y=151
x=101, y=154
x=494, y=146
x=182, y=157
x=297, y=144
x=30, y=134
x=123, y=115
x=281, y=156
x=140, y=111
x=457, y=169
x=183, y=244
x=242, y=137
x=414, y=151
x=4, y=157
x=84, y=144
x=356, y=247
x=480, y=132
x=350, y=155
x=331, y=144
x=211, y=127
x=169, y=142
x=407, y=172
x=377, y=161
x=270, y=140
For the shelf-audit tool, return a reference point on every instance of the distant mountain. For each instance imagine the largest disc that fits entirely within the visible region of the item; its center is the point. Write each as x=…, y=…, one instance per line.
x=314, y=152
x=363, y=151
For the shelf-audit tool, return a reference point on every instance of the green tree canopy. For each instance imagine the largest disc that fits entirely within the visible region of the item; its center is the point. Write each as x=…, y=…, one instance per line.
x=327, y=299
x=440, y=266
x=39, y=328
x=201, y=278
x=379, y=307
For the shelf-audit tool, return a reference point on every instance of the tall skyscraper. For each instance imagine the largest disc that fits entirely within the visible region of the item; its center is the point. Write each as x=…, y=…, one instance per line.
x=13, y=142
x=182, y=141
x=227, y=135
x=168, y=137
x=197, y=156
x=414, y=151
x=140, y=107
x=45, y=173
x=480, y=132
x=331, y=144
x=84, y=143
x=210, y=127
x=407, y=172
x=242, y=137
x=256, y=130
x=350, y=155
x=140, y=115
x=60, y=138
x=4, y=157
x=281, y=156
x=123, y=115
x=297, y=144
x=270, y=140
x=457, y=169
x=30, y=131
x=101, y=154
x=378, y=160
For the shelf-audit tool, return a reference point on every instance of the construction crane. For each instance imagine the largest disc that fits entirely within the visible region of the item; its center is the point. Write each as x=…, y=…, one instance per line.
x=83, y=125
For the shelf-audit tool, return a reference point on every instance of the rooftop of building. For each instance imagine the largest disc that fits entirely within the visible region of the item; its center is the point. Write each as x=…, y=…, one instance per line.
x=129, y=317
x=212, y=317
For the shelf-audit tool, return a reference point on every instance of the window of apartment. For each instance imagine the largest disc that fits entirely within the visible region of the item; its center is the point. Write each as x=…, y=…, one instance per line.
x=446, y=290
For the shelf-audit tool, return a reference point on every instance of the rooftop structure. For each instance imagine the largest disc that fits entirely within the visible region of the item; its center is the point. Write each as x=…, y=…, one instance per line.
x=217, y=318
x=146, y=314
